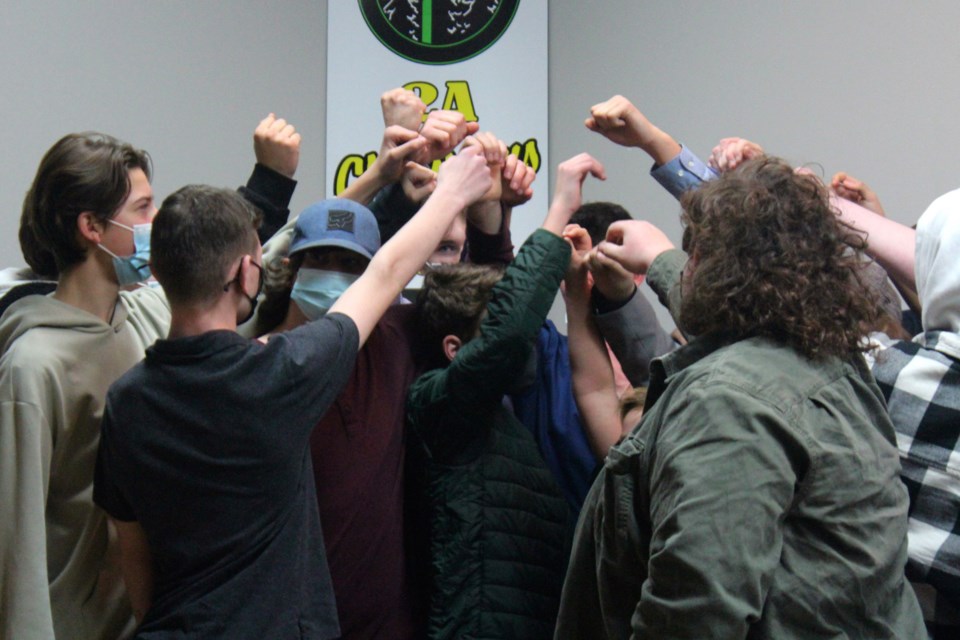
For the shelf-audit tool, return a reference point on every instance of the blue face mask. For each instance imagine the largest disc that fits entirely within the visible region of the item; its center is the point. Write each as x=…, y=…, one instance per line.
x=136, y=267
x=316, y=290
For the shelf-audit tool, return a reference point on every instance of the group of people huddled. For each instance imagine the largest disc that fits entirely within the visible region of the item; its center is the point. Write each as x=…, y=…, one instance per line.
x=216, y=422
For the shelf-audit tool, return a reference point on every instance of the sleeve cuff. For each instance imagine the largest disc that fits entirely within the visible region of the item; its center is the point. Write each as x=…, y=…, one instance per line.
x=275, y=187
x=683, y=172
x=489, y=248
x=603, y=304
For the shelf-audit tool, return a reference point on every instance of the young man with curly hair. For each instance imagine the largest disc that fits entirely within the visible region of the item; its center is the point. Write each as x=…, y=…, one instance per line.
x=760, y=494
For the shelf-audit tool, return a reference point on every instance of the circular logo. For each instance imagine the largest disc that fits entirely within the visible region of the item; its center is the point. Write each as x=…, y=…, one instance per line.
x=438, y=31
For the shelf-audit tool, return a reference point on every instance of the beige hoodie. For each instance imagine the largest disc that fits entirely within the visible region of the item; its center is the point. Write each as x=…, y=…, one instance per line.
x=59, y=575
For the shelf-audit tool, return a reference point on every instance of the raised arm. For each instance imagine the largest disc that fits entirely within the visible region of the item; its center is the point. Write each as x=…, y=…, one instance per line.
x=626, y=319
x=403, y=108
x=890, y=243
x=591, y=372
x=732, y=152
x=398, y=146
x=461, y=181
x=849, y=188
x=618, y=120
x=488, y=223
x=443, y=131
x=641, y=248
x=484, y=366
x=276, y=145
x=847, y=193
x=675, y=168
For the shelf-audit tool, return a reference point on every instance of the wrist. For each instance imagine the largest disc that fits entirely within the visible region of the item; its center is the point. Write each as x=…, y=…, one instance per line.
x=616, y=293
x=602, y=304
x=661, y=147
x=449, y=196
x=558, y=216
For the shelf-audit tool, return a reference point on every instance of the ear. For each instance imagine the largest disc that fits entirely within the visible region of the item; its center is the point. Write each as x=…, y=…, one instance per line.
x=89, y=227
x=451, y=345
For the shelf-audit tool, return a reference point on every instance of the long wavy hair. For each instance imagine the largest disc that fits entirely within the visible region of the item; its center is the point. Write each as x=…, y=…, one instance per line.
x=770, y=258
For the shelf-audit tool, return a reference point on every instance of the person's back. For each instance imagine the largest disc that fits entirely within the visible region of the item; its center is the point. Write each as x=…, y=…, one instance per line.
x=759, y=496
x=808, y=440
x=920, y=380
x=499, y=524
x=213, y=465
x=204, y=456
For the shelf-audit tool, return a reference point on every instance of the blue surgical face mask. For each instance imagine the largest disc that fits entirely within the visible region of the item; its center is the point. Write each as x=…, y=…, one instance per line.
x=316, y=290
x=135, y=267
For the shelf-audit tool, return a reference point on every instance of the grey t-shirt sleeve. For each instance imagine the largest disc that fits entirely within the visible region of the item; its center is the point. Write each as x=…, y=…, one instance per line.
x=318, y=359
x=636, y=337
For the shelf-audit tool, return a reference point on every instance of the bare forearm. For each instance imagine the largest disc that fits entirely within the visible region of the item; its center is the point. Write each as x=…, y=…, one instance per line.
x=661, y=146
x=592, y=377
x=364, y=188
x=486, y=215
x=397, y=262
x=890, y=243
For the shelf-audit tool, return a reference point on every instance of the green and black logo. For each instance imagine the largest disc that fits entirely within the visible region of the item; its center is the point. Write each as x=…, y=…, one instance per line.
x=438, y=31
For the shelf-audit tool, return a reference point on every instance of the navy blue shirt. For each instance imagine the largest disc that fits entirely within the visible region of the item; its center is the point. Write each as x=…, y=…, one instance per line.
x=205, y=444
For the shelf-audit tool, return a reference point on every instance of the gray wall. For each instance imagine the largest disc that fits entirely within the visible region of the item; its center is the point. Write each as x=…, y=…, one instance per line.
x=864, y=86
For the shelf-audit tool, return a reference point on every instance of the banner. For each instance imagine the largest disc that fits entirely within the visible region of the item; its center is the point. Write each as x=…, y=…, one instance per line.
x=486, y=59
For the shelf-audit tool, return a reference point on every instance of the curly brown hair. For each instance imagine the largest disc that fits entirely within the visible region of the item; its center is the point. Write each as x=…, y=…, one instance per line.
x=770, y=258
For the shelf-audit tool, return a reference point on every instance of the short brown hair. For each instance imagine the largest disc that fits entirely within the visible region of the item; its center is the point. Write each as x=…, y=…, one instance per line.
x=80, y=172
x=770, y=258
x=197, y=235
x=453, y=301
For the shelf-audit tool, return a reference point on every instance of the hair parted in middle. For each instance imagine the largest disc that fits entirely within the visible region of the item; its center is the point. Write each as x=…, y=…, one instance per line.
x=453, y=301
x=770, y=258
x=197, y=235
x=81, y=172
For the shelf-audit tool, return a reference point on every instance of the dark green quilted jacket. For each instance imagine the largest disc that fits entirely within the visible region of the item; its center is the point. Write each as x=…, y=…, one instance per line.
x=499, y=527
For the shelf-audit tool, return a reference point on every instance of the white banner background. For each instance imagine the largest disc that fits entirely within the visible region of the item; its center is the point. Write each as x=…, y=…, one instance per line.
x=507, y=85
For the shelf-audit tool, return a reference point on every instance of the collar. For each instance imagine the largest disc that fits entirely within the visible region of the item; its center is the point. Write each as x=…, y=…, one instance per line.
x=666, y=367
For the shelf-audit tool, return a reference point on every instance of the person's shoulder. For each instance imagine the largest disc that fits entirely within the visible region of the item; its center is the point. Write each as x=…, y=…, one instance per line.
x=134, y=382
x=331, y=322
x=146, y=300
x=33, y=336
x=423, y=393
x=771, y=372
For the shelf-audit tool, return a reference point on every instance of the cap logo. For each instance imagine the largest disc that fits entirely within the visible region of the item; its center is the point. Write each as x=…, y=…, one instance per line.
x=341, y=220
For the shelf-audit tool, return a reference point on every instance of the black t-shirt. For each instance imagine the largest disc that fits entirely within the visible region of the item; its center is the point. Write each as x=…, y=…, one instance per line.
x=205, y=444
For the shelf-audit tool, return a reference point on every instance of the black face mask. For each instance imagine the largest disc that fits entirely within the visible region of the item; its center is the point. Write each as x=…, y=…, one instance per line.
x=254, y=299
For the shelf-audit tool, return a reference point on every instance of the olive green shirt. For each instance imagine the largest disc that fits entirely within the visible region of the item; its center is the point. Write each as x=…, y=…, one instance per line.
x=759, y=497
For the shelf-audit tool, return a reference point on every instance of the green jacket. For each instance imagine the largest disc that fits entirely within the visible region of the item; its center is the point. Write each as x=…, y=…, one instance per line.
x=759, y=497
x=499, y=526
